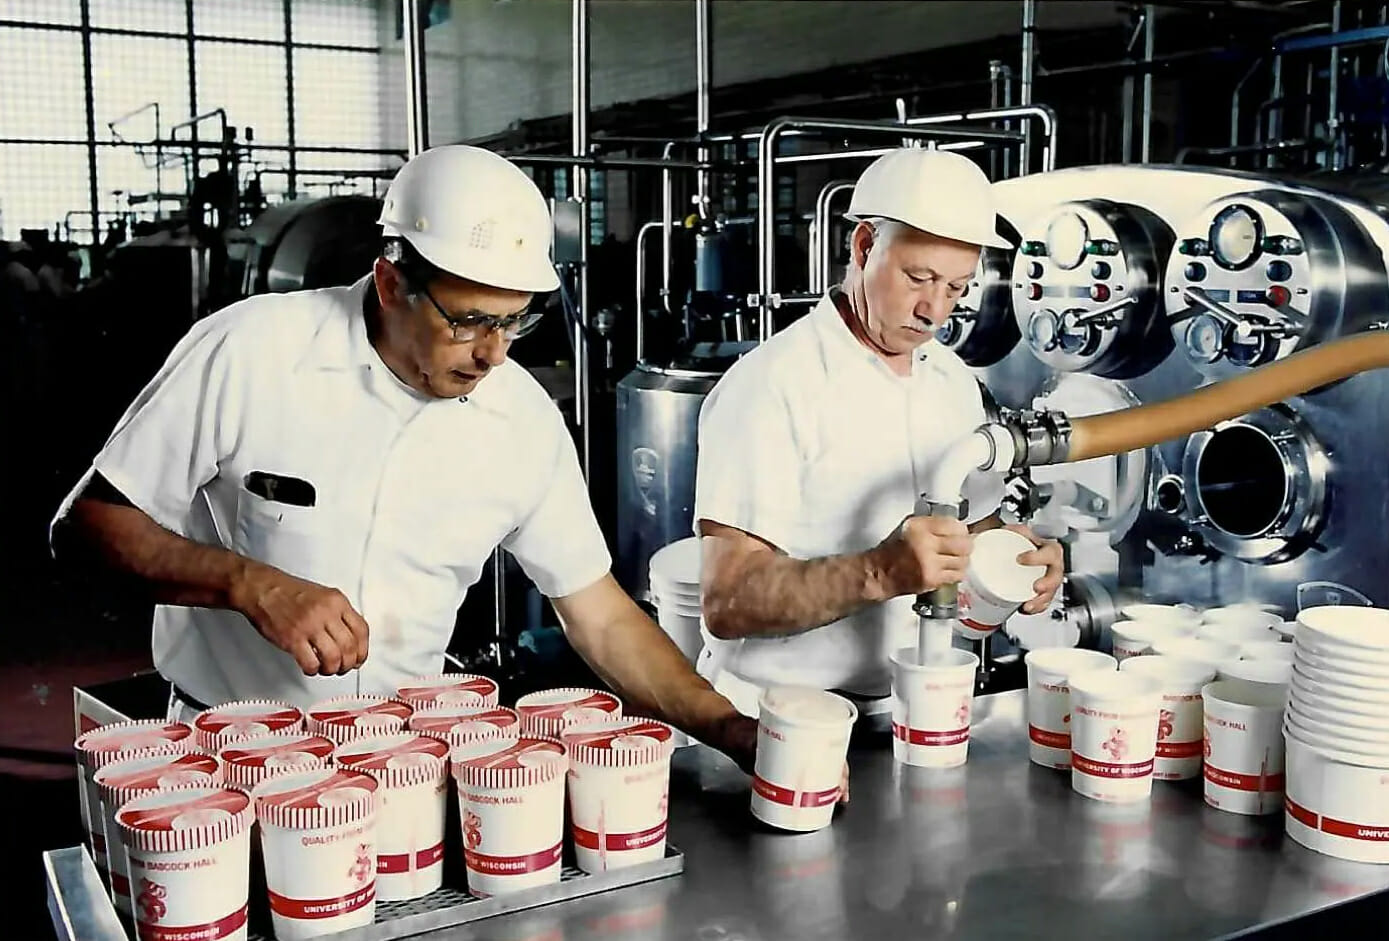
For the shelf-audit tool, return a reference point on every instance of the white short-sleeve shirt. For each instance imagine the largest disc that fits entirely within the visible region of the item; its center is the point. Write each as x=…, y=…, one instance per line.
x=412, y=494
x=813, y=444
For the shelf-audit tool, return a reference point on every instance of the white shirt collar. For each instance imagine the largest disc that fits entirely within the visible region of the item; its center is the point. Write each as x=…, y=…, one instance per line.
x=842, y=346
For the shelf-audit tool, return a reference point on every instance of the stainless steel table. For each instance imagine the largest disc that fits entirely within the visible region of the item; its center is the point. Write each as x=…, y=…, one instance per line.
x=997, y=849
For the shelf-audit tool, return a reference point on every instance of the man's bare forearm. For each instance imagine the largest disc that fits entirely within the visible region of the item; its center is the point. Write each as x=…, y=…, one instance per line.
x=164, y=565
x=770, y=594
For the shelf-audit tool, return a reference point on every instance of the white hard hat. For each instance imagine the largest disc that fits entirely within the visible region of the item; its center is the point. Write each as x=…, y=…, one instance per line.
x=473, y=214
x=935, y=191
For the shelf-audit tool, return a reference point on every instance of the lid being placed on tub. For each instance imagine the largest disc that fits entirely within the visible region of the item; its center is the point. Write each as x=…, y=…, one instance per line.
x=400, y=759
x=102, y=745
x=321, y=797
x=458, y=724
x=344, y=718
x=619, y=743
x=450, y=689
x=249, y=761
x=134, y=775
x=802, y=705
x=996, y=567
x=175, y=821
x=226, y=723
x=550, y=711
x=509, y=762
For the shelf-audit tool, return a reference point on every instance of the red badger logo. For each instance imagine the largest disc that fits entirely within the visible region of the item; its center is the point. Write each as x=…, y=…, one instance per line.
x=151, y=901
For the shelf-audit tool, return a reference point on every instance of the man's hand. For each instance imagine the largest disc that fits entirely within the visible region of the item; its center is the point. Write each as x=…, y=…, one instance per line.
x=736, y=737
x=315, y=625
x=924, y=553
x=1048, y=553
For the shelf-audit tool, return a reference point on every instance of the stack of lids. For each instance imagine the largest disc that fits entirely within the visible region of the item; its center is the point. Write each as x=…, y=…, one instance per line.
x=675, y=592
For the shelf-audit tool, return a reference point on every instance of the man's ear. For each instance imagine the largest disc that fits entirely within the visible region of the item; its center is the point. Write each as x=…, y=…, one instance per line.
x=860, y=242
x=390, y=285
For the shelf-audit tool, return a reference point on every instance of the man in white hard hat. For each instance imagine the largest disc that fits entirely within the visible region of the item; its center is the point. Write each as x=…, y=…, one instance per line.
x=316, y=474
x=814, y=448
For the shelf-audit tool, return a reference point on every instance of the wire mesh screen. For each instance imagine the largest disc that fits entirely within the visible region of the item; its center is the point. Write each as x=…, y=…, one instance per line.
x=112, y=109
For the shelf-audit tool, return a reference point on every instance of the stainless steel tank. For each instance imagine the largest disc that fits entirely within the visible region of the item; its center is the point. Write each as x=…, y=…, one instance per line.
x=657, y=432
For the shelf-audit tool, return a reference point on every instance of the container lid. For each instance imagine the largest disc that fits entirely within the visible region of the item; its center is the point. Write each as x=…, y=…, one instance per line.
x=802, y=705
x=249, y=761
x=994, y=565
x=458, y=724
x=1107, y=684
x=619, y=743
x=312, y=800
x=549, y=711
x=135, y=775
x=1149, y=631
x=678, y=562
x=1200, y=649
x=1171, y=670
x=450, y=689
x=225, y=723
x=1347, y=624
x=102, y=745
x=1059, y=662
x=175, y=821
x=509, y=762
x=401, y=759
x=1148, y=611
x=347, y=717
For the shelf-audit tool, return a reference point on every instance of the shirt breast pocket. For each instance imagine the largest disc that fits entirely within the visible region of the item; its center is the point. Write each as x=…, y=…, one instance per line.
x=309, y=542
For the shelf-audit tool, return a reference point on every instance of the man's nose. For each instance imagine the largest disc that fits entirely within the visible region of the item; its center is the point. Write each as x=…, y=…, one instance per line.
x=935, y=303
x=491, y=348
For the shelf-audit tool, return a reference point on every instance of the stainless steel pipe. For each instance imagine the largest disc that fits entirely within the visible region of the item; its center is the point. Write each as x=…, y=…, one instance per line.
x=1149, y=27
x=1029, y=68
x=703, y=78
x=821, y=249
x=641, y=288
x=416, y=89
x=579, y=176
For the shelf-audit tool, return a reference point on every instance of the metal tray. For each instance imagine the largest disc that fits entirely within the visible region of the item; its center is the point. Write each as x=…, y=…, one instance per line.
x=448, y=906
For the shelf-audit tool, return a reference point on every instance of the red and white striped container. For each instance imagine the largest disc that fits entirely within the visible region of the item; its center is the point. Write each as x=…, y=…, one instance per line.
x=413, y=773
x=318, y=837
x=511, y=800
x=455, y=725
x=549, y=712
x=450, y=689
x=224, y=724
x=1114, y=731
x=249, y=761
x=135, y=776
x=802, y=739
x=619, y=779
x=103, y=745
x=189, y=856
x=344, y=718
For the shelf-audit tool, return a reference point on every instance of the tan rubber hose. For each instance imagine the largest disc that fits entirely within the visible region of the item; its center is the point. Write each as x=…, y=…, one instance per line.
x=1144, y=425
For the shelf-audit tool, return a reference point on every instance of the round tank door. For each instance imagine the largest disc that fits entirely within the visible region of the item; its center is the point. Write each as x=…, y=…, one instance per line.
x=981, y=330
x=1257, y=276
x=1256, y=486
x=1086, y=283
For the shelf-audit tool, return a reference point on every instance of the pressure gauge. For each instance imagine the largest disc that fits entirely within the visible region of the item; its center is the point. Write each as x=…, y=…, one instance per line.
x=1205, y=339
x=1235, y=235
x=1044, y=331
x=1066, y=238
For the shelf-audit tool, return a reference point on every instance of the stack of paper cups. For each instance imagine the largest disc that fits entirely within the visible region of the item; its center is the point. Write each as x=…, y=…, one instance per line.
x=222, y=725
x=1179, y=722
x=931, y=705
x=450, y=689
x=189, y=853
x=549, y=712
x=1114, y=726
x=413, y=773
x=318, y=835
x=1049, y=700
x=136, y=776
x=344, y=718
x=802, y=740
x=249, y=761
x=511, y=800
x=455, y=725
x=619, y=777
x=101, y=746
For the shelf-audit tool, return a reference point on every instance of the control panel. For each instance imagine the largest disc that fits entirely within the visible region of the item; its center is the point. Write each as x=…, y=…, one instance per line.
x=981, y=330
x=1086, y=288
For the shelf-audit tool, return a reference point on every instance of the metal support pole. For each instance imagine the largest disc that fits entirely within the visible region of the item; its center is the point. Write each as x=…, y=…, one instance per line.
x=642, y=233
x=1029, y=66
x=1150, y=27
x=824, y=248
x=1274, y=113
x=292, y=182
x=416, y=92
x=579, y=177
x=1333, y=114
x=92, y=189
x=703, y=77
x=667, y=223
x=995, y=100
